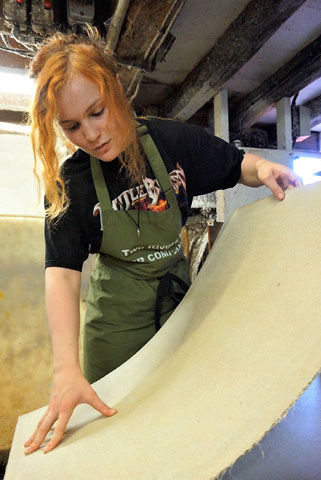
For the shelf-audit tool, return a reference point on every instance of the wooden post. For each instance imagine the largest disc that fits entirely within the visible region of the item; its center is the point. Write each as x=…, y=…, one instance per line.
x=221, y=120
x=284, y=124
x=221, y=129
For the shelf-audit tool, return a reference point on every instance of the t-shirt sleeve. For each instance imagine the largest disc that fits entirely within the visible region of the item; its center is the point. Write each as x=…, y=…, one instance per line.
x=209, y=162
x=66, y=245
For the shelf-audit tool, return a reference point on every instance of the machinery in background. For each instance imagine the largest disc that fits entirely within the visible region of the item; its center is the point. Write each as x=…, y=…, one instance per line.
x=79, y=12
x=137, y=31
x=29, y=21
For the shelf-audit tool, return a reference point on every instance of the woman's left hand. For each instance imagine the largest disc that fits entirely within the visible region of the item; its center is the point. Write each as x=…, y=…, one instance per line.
x=256, y=171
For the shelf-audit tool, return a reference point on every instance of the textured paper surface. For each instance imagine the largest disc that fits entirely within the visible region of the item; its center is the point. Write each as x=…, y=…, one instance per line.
x=235, y=355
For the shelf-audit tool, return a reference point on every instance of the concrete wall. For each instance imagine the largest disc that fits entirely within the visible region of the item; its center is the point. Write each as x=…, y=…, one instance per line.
x=18, y=191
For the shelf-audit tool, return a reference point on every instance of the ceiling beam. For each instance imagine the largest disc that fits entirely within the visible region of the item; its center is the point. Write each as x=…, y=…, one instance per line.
x=301, y=70
x=242, y=39
x=144, y=30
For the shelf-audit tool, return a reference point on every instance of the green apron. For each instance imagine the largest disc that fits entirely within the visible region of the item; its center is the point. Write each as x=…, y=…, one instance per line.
x=136, y=267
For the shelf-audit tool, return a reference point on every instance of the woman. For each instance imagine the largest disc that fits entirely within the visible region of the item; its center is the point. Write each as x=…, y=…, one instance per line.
x=125, y=194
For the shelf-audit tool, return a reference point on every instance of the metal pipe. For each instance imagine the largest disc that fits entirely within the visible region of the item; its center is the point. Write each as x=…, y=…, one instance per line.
x=167, y=24
x=116, y=24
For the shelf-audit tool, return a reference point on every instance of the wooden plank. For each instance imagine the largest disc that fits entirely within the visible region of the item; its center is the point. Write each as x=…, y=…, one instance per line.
x=243, y=38
x=301, y=70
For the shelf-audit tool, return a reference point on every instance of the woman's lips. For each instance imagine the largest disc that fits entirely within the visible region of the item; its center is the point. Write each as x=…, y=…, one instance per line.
x=102, y=146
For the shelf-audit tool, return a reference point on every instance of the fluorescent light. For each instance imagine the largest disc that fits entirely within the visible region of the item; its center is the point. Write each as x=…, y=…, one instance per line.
x=16, y=83
x=306, y=168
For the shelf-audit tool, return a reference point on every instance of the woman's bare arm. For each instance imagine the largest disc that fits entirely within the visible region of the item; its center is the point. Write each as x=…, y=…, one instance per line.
x=69, y=388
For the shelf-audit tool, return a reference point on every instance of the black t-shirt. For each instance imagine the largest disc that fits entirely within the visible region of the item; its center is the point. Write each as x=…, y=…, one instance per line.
x=197, y=163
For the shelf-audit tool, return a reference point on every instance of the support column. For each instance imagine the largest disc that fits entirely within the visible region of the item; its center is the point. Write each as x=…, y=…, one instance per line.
x=221, y=121
x=284, y=124
x=221, y=129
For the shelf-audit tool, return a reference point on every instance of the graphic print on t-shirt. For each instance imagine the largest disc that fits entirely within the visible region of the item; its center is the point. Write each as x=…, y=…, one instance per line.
x=149, y=195
x=146, y=196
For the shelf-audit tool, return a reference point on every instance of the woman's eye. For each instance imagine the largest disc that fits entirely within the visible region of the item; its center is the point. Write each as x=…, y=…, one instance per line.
x=70, y=129
x=96, y=114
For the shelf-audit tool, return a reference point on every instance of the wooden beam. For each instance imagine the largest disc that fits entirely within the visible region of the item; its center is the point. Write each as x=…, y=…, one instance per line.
x=301, y=70
x=243, y=38
x=145, y=29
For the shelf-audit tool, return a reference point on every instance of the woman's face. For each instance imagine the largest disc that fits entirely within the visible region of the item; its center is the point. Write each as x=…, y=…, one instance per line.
x=85, y=120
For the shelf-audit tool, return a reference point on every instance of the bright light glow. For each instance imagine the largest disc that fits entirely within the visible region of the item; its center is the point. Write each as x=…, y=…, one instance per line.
x=305, y=167
x=14, y=128
x=16, y=83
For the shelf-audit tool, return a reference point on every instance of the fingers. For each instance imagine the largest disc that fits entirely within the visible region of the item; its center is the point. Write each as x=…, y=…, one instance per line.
x=278, y=179
x=60, y=411
x=31, y=439
x=60, y=428
x=273, y=185
x=48, y=419
x=298, y=182
x=101, y=407
x=288, y=179
x=40, y=433
x=44, y=427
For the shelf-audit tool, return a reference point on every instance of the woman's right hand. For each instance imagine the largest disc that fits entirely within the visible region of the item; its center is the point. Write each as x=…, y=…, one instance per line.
x=69, y=389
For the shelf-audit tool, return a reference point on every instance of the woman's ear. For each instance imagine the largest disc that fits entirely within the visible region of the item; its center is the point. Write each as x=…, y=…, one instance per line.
x=119, y=81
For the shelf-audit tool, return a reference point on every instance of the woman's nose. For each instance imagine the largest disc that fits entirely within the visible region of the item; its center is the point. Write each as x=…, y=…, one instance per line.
x=91, y=132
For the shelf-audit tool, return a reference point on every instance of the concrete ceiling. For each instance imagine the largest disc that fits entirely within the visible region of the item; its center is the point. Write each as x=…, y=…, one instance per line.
x=178, y=54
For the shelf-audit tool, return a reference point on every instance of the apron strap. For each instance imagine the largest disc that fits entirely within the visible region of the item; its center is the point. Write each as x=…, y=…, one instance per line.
x=141, y=129
x=156, y=162
x=166, y=289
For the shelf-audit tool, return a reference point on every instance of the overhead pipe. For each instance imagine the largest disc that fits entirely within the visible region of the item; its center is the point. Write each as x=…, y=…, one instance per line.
x=114, y=32
x=162, y=32
x=155, y=44
x=116, y=24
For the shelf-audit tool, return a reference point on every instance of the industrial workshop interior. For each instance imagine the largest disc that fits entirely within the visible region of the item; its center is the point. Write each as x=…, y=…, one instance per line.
x=229, y=387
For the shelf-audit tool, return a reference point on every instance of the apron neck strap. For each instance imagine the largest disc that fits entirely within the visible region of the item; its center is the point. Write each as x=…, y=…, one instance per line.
x=156, y=162
x=154, y=159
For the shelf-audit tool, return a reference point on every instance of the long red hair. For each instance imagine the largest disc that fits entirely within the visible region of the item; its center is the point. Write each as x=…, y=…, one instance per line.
x=60, y=57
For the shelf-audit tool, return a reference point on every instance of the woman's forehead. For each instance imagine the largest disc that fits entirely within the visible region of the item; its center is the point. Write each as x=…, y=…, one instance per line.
x=77, y=96
x=79, y=84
